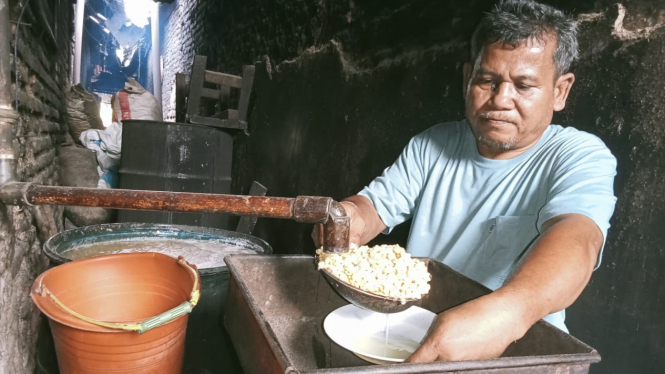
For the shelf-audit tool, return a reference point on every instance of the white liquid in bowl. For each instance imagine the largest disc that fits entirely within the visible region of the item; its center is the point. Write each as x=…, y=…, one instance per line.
x=385, y=337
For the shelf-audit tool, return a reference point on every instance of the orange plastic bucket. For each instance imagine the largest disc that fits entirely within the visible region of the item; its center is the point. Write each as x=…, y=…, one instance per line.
x=122, y=313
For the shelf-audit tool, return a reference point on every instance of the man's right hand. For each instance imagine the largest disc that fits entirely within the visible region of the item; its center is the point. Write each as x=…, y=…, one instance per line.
x=365, y=221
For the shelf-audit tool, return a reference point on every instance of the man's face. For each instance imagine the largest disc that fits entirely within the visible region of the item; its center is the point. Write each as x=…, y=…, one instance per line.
x=511, y=94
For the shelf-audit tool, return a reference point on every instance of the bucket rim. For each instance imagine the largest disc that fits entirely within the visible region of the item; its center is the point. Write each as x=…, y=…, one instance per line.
x=47, y=306
x=50, y=247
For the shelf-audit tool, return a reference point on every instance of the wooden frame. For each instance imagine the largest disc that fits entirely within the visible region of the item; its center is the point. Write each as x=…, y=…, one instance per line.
x=196, y=92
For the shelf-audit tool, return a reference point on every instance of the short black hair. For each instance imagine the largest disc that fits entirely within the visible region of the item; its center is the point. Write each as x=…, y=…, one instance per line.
x=517, y=21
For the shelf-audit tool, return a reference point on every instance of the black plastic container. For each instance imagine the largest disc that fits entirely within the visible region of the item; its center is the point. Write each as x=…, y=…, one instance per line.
x=179, y=157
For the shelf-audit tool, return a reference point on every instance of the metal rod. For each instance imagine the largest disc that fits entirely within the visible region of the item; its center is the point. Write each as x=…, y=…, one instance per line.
x=5, y=61
x=8, y=116
x=276, y=207
x=307, y=209
x=78, y=40
x=336, y=232
x=155, y=52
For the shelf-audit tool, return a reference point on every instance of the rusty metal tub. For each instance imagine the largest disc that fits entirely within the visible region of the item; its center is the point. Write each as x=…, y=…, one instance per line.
x=276, y=306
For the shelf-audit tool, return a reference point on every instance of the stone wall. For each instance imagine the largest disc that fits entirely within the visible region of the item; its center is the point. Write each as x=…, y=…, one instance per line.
x=43, y=70
x=342, y=85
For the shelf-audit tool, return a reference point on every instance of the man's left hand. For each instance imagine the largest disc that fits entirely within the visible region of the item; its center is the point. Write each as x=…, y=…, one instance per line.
x=479, y=329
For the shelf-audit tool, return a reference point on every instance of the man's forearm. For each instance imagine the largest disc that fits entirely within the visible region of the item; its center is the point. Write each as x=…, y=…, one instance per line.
x=555, y=271
x=368, y=224
x=549, y=279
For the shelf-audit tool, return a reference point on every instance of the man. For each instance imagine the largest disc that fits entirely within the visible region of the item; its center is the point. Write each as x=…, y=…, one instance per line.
x=504, y=197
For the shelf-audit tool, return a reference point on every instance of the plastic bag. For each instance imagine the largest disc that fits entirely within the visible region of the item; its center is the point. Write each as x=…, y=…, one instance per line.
x=78, y=168
x=135, y=102
x=82, y=112
x=107, y=145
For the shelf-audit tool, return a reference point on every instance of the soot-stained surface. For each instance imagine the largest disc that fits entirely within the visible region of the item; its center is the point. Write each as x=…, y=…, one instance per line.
x=322, y=126
x=342, y=86
x=619, y=97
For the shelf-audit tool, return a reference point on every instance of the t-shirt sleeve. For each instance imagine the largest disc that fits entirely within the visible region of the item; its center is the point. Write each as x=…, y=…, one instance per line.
x=395, y=193
x=582, y=182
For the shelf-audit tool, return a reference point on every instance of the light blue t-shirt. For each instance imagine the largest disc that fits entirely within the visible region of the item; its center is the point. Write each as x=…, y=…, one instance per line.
x=478, y=215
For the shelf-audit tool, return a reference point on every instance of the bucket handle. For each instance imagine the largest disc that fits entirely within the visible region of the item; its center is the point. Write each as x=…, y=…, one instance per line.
x=150, y=323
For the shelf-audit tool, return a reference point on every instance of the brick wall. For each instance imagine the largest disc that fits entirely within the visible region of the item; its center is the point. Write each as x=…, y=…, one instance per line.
x=43, y=70
x=178, y=46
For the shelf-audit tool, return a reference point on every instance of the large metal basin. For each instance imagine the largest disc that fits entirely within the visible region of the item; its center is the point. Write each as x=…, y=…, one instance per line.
x=276, y=306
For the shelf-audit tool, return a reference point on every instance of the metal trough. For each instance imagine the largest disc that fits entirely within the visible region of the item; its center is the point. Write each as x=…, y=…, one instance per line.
x=276, y=306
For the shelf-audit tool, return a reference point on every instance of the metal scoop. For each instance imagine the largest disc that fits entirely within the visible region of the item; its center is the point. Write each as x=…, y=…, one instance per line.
x=364, y=299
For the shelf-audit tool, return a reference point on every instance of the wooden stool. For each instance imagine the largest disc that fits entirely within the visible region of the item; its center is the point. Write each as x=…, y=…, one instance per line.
x=188, y=98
